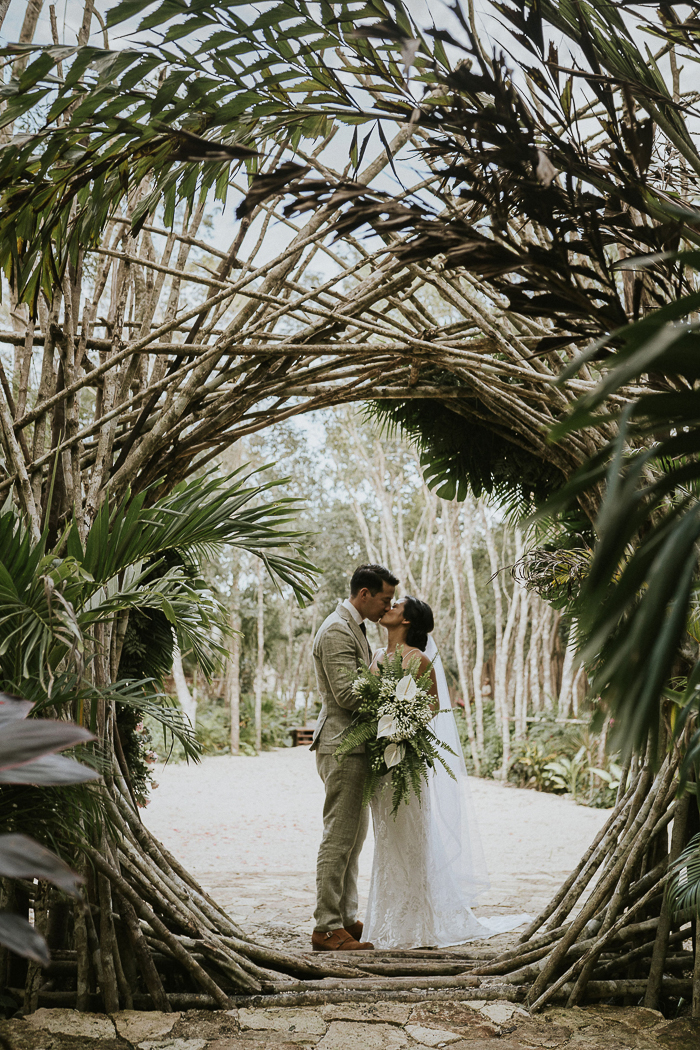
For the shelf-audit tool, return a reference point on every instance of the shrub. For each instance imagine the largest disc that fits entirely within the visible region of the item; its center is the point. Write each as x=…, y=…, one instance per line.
x=493, y=745
x=530, y=766
x=213, y=729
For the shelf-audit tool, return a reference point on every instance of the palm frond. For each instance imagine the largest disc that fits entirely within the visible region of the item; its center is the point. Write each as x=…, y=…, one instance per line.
x=635, y=598
x=162, y=709
x=64, y=819
x=683, y=886
x=195, y=518
x=459, y=456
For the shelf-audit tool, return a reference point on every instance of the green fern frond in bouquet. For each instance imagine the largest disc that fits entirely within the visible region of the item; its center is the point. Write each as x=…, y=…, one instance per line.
x=393, y=722
x=355, y=735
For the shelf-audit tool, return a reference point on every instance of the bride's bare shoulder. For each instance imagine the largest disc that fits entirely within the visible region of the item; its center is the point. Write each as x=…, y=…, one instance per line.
x=417, y=659
x=378, y=657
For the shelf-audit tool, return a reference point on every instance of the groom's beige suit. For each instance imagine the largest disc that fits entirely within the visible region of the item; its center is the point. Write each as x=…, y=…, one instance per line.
x=339, y=648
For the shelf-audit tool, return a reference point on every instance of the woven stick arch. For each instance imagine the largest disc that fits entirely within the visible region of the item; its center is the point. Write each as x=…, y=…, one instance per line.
x=150, y=361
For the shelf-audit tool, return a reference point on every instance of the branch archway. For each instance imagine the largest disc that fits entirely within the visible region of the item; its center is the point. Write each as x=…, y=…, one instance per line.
x=153, y=354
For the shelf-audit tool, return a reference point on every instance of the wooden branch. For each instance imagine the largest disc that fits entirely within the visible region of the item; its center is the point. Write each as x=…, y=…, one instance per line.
x=146, y=912
x=143, y=955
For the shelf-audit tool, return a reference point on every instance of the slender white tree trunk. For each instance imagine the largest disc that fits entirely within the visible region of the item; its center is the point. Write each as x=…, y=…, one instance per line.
x=260, y=666
x=290, y=668
x=576, y=690
x=4, y=5
x=233, y=675
x=372, y=555
x=478, y=668
x=519, y=669
x=549, y=634
x=497, y=615
x=308, y=662
x=450, y=517
x=533, y=655
x=502, y=682
x=567, y=677
x=187, y=702
x=442, y=571
x=432, y=538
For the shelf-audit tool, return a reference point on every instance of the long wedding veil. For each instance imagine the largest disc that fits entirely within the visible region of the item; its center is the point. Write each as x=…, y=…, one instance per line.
x=457, y=855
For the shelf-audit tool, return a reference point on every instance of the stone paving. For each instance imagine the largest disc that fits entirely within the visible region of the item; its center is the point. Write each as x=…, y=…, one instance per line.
x=473, y=1025
x=249, y=829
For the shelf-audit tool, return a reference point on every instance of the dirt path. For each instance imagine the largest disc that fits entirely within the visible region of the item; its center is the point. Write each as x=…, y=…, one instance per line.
x=249, y=829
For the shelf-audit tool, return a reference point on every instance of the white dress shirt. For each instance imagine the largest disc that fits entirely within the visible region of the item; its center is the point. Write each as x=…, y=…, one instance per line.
x=353, y=611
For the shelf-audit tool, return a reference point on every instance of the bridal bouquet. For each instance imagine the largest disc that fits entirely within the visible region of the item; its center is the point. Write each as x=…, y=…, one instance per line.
x=393, y=722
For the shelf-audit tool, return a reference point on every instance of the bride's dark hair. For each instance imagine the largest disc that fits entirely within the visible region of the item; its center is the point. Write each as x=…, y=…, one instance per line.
x=420, y=619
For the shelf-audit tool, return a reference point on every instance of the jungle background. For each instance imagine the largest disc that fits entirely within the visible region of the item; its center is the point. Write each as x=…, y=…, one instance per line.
x=506, y=650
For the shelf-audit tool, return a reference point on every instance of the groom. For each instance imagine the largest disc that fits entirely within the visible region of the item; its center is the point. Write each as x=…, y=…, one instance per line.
x=339, y=648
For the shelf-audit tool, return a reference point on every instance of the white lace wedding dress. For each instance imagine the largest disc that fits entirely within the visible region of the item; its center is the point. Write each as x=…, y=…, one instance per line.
x=428, y=866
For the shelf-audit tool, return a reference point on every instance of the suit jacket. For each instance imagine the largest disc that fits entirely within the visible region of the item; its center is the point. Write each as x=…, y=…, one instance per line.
x=339, y=649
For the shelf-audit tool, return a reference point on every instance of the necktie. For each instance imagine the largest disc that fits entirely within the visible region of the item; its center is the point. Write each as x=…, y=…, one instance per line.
x=363, y=628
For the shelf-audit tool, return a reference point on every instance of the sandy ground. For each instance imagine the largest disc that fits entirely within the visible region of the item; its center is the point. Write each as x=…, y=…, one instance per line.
x=249, y=828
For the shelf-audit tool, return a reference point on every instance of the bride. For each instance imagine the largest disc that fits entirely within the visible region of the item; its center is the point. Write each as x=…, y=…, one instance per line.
x=428, y=866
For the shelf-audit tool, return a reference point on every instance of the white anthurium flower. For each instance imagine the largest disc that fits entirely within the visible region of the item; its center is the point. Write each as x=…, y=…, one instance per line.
x=406, y=689
x=393, y=754
x=386, y=727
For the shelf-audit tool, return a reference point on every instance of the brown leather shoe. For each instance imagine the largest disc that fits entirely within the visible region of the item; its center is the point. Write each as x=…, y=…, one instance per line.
x=338, y=941
x=355, y=930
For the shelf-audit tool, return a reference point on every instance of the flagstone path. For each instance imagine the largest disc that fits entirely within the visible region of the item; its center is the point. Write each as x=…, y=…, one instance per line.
x=378, y=1026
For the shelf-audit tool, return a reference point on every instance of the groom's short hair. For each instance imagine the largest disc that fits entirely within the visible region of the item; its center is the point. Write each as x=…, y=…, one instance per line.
x=373, y=577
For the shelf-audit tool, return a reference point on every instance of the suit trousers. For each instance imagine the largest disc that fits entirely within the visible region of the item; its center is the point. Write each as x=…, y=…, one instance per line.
x=345, y=823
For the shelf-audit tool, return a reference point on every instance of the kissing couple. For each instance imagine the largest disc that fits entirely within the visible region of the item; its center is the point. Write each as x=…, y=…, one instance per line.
x=428, y=866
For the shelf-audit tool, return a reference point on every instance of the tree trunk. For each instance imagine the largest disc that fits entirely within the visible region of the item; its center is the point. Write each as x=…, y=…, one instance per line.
x=461, y=637
x=502, y=681
x=501, y=716
x=519, y=669
x=187, y=701
x=260, y=665
x=233, y=669
x=533, y=656
x=549, y=633
x=290, y=668
x=478, y=668
x=432, y=536
x=567, y=677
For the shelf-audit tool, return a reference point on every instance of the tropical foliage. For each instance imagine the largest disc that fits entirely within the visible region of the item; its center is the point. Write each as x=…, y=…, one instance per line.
x=684, y=883
x=134, y=558
x=63, y=629
x=27, y=758
x=644, y=569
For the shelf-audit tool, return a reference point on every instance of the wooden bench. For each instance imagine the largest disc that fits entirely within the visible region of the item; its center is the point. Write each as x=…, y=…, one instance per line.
x=302, y=735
